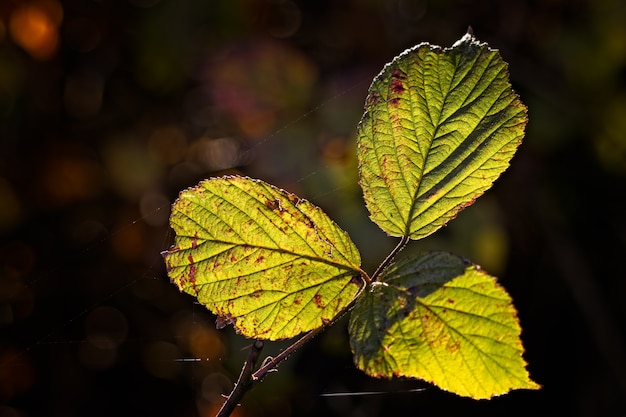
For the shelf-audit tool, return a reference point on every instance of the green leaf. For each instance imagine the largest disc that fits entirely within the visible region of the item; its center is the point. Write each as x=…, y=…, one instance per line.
x=440, y=125
x=443, y=320
x=270, y=263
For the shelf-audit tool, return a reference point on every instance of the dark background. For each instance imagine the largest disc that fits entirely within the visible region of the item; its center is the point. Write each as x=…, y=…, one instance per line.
x=109, y=108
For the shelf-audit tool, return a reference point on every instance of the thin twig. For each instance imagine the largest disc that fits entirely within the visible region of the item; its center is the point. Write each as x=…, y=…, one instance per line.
x=244, y=381
x=274, y=362
x=260, y=373
x=248, y=379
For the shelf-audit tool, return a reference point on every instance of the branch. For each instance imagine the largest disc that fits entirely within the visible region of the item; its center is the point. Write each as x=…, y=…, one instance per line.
x=244, y=382
x=260, y=373
x=247, y=379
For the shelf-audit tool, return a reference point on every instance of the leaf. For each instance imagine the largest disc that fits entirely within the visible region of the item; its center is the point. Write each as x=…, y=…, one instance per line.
x=443, y=320
x=440, y=125
x=270, y=263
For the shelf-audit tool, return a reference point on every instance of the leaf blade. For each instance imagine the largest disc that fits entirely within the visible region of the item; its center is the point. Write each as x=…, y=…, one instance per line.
x=270, y=263
x=440, y=126
x=444, y=321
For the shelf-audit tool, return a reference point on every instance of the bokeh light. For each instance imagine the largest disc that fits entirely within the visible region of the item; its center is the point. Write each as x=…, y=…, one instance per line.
x=35, y=27
x=255, y=83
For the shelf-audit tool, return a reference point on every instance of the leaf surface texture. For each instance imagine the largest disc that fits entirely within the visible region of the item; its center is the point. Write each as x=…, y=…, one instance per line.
x=270, y=263
x=440, y=125
x=443, y=320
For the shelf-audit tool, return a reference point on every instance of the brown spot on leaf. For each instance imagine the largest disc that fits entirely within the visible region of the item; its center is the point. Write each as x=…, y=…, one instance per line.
x=450, y=300
x=397, y=86
x=395, y=120
x=453, y=346
x=372, y=99
x=274, y=205
x=318, y=300
x=309, y=223
x=192, y=275
x=394, y=101
x=294, y=199
x=190, y=259
x=467, y=204
x=168, y=264
x=397, y=74
x=259, y=259
x=433, y=331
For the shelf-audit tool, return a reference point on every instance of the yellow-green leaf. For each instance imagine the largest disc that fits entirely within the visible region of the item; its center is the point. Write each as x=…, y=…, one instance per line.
x=440, y=125
x=443, y=320
x=272, y=264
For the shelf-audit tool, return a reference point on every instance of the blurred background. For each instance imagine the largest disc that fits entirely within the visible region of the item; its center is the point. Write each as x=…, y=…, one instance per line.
x=108, y=108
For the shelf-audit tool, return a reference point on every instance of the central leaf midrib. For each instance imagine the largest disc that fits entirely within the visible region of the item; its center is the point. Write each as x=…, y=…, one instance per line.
x=309, y=257
x=234, y=246
x=468, y=151
x=284, y=293
x=414, y=199
x=419, y=193
x=459, y=173
x=260, y=227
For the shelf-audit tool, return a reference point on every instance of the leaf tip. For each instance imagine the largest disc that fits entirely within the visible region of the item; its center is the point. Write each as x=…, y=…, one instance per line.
x=533, y=385
x=467, y=39
x=165, y=253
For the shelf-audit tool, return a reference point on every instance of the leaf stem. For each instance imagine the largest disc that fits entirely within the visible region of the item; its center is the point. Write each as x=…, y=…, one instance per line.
x=244, y=382
x=389, y=258
x=365, y=277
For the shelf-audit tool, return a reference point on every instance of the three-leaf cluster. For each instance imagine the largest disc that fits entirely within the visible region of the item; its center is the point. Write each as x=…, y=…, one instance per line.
x=440, y=125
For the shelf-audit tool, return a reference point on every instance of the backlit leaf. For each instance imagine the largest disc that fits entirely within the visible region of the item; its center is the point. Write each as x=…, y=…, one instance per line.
x=440, y=125
x=443, y=320
x=270, y=263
